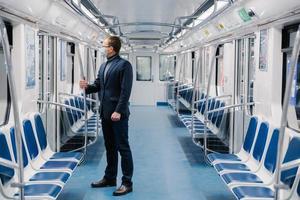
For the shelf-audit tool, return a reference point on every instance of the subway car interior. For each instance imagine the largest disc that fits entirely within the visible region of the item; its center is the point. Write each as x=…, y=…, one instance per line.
x=214, y=104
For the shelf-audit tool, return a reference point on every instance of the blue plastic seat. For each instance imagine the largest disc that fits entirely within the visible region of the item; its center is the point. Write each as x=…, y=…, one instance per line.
x=253, y=192
x=247, y=146
x=34, y=152
x=269, y=164
x=257, y=153
x=287, y=176
x=41, y=176
x=42, y=190
x=42, y=139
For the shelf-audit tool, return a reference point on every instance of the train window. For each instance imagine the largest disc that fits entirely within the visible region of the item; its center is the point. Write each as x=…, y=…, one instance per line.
x=62, y=60
x=245, y=71
x=289, y=34
x=50, y=67
x=251, y=72
x=220, y=70
x=240, y=70
x=166, y=67
x=124, y=56
x=143, y=68
x=5, y=100
x=70, y=64
x=193, y=64
x=41, y=71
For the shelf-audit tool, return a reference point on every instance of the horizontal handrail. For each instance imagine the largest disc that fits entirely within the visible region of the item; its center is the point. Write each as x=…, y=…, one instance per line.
x=79, y=96
x=217, y=97
x=8, y=163
x=184, y=89
x=231, y=106
x=60, y=105
x=186, y=84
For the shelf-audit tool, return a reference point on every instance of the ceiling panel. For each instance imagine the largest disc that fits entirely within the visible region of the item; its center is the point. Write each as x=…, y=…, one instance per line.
x=157, y=11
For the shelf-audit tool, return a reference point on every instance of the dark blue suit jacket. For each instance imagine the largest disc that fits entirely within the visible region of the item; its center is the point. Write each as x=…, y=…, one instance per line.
x=115, y=91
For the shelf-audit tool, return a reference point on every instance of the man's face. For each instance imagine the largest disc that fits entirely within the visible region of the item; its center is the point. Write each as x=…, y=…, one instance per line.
x=109, y=50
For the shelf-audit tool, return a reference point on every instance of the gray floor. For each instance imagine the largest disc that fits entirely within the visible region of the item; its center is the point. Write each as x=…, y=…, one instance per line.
x=167, y=164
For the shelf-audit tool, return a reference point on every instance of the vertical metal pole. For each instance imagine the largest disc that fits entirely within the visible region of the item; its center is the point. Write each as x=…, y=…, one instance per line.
x=12, y=88
x=180, y=72
x=287, y=96
x=84, y=104
x=97, y=97
x=212, y=67
x=193, y=109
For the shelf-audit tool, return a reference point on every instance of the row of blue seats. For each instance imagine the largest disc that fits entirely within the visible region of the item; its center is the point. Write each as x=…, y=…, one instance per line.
x=215, y=118
x=76, y=118
x=45, y=172
x=250, y=174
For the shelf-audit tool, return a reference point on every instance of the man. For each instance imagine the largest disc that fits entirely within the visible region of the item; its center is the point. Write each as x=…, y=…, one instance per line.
x=113, y=84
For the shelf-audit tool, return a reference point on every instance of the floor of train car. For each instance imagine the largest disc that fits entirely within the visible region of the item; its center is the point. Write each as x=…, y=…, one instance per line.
x=167, y=165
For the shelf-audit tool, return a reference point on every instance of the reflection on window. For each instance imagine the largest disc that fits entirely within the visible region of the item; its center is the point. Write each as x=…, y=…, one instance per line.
x=124, y=56
x=4, y=90
x=288, y=40
x=220, y=70
x=41, y=72
x=143, y=68
x=166, y=67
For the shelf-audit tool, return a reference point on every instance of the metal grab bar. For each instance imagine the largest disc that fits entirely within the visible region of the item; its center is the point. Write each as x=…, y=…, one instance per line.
x=231, y=106
x=189, y=88
x=79, y=96
x=8, y=163
x=217, y=97
x=283, y=124
x=186, y=84
x=84, y=102
x=60, y=104
x=12, y=88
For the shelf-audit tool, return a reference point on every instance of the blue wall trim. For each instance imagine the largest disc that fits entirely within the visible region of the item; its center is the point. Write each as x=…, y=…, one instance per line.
x=161, y=103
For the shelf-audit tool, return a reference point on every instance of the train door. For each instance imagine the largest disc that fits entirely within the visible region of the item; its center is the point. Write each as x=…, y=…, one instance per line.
x=143, y=90
x=47, y=84
x=243, y=91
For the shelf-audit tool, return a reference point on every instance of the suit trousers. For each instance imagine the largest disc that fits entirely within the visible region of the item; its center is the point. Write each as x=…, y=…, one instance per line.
x=116, y=141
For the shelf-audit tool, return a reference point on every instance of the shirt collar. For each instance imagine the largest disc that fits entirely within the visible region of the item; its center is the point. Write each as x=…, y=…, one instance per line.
x=112, y=58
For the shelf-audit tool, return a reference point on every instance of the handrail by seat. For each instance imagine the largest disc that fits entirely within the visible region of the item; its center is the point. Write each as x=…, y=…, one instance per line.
x=231, y=106
x=79, y=96
x=216, y=97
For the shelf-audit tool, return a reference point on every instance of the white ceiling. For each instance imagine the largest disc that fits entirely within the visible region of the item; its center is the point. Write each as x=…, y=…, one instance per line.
x=157, y=11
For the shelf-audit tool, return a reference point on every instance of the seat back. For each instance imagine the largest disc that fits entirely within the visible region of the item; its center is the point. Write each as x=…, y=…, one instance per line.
x=260, y=142
x=220, y=115
x=292, y=153
x=30, y=140
x=69, y=113
x=75, y=116
x=215, y=106
x=271, y=155
x=77, y=105
x=40, y=131
x=250, y=135
x=14, y=147
x=6, y=173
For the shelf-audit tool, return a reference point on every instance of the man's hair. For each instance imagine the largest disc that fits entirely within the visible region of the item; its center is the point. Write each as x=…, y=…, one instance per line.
x=115, y=42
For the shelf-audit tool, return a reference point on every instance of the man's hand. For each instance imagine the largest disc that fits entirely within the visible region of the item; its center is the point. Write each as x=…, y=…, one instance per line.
x=116, y=117
x=83, y=84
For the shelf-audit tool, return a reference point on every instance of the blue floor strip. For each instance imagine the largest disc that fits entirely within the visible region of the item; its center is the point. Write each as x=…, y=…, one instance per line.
x=167, y=165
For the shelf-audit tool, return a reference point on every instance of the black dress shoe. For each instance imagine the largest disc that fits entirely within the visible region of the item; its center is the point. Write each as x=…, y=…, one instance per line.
x=122, y=190
x=103, y=183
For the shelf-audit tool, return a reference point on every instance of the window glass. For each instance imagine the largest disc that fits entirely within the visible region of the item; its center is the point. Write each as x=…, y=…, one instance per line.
x=41, y=72
x=166, y=67
x=220, y=70
x=288, y=39
x=143, y=68
x=124, y=56
x=4, y=90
